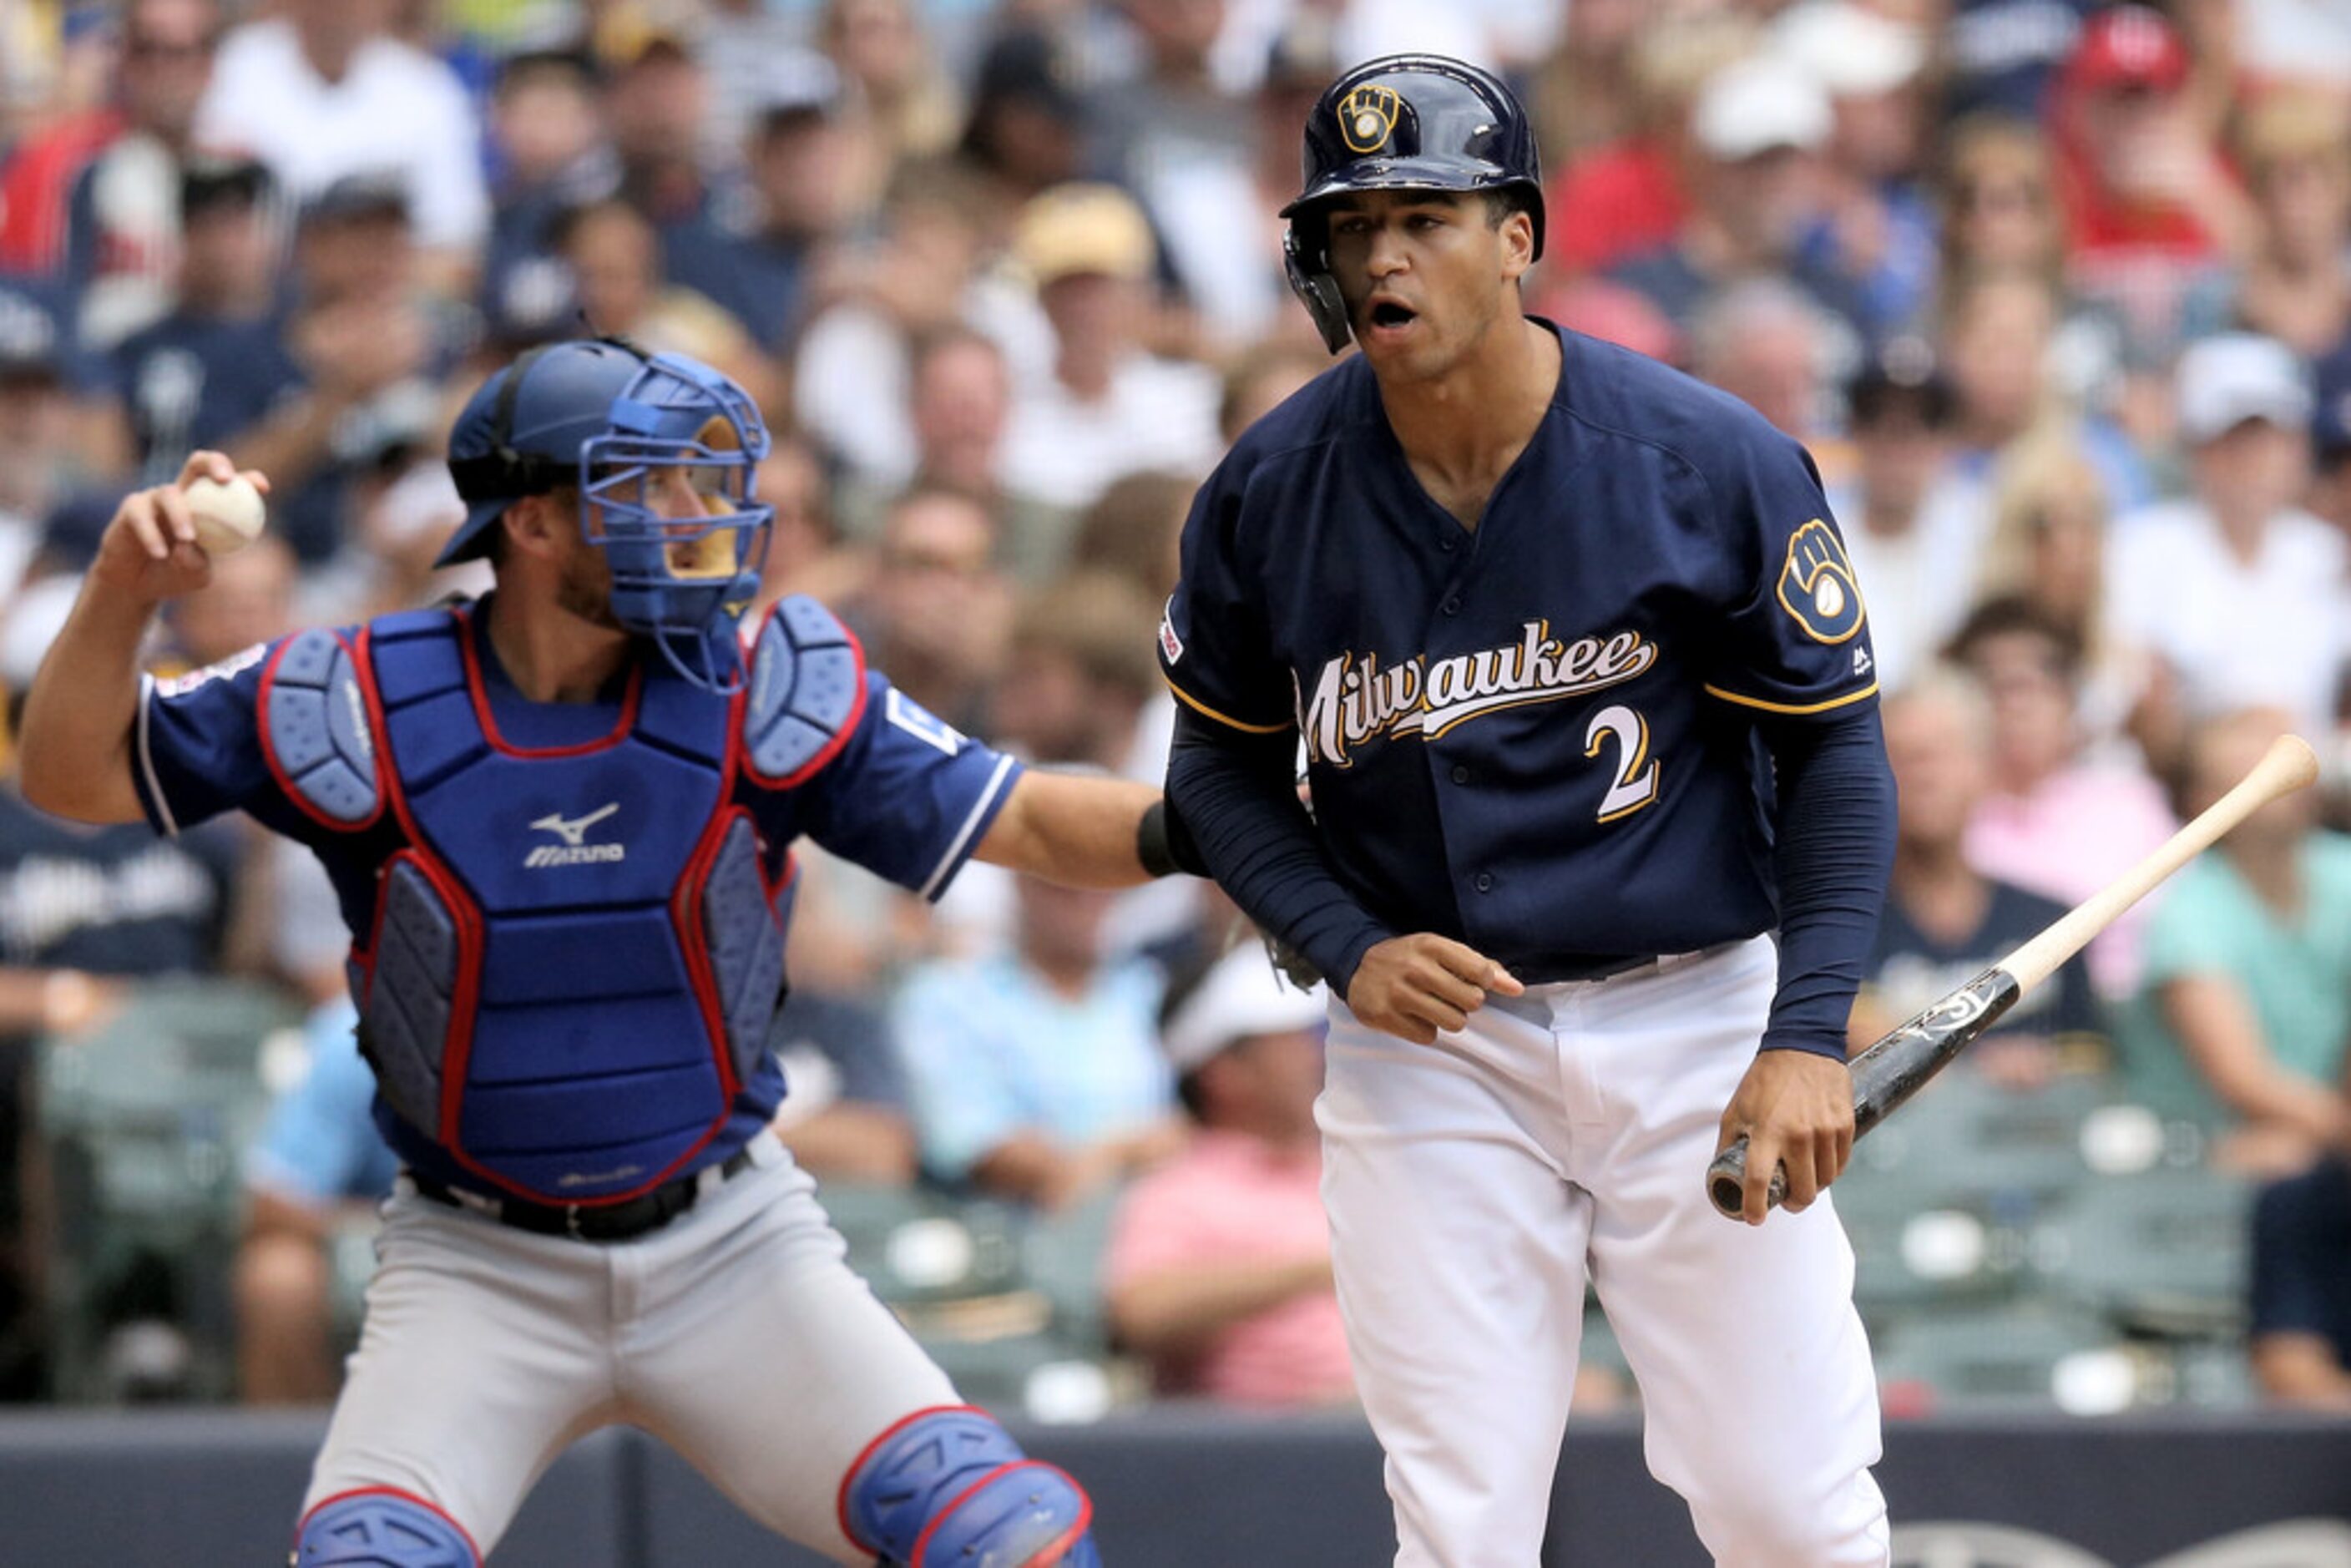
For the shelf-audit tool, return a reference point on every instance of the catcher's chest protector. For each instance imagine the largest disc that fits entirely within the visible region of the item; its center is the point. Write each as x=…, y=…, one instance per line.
x=575, y=953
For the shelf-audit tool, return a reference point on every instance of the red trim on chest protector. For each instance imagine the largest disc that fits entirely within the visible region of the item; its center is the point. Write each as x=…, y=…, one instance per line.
x=488, y=721
x=832, y=748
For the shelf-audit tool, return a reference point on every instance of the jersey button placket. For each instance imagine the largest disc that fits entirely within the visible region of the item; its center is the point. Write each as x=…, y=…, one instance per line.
x=1485, y=883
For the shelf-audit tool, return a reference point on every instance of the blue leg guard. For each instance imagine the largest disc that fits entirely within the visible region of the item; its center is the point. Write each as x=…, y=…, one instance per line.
x=950, y=1487
x=380, y=1528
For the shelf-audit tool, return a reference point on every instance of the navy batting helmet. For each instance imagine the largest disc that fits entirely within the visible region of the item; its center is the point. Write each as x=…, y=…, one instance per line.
x=1404, y=122
x=608, y=418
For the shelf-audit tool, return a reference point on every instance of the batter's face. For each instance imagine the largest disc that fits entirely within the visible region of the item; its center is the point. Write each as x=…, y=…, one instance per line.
x=1425, y=273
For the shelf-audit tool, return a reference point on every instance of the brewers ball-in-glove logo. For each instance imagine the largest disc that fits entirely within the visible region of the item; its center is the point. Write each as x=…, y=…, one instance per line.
x=1817, y=585
x=1367, y=116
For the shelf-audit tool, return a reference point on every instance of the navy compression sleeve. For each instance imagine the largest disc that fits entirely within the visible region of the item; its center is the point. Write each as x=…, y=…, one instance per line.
x=1236, y=794
x=1836, y=847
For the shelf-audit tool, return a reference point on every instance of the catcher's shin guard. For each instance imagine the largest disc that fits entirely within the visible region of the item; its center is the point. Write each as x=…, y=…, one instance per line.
x=378, y=1526
x=948, y=1485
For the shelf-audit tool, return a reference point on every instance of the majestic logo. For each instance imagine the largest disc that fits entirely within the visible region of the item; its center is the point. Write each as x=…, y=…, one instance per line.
x=1355, y=700
x=1367, y=116
x=574, y=849
x=1169, y=644
x=1817, y=586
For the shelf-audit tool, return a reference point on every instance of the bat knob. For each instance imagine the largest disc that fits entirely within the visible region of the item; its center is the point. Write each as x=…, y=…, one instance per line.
x=1726, y=1181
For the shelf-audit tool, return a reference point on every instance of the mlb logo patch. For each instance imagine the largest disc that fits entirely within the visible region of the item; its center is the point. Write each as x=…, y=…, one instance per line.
x=1169, y=644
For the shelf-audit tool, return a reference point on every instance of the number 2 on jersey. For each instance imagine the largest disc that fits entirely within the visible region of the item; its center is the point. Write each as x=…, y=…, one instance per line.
x=1636, y=784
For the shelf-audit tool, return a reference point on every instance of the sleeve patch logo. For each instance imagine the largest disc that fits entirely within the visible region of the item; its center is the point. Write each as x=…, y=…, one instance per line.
x=180, y=685
x=1817, y=585
x=1169, y=644
x=922, y=723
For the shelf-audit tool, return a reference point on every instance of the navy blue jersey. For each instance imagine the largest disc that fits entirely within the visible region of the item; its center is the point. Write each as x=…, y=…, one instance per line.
x=1537, y=737
x=905, y=796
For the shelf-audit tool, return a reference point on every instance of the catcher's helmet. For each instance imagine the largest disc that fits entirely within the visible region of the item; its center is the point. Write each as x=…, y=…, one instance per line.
x=607, y=417
x=1419, y=122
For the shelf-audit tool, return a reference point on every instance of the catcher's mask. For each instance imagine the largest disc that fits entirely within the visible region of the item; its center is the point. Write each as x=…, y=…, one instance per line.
x=1402, y=122
x=627, y=427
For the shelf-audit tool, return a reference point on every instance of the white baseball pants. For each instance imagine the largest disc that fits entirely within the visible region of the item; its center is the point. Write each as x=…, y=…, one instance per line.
x=1471, y=1185
x=736, y=1333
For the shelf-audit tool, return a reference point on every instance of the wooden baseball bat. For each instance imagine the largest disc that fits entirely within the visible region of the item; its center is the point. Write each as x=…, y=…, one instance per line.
x=1892, y=1070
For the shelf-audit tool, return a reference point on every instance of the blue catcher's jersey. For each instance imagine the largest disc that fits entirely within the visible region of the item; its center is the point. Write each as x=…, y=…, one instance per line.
x=1536, y=737
x=524, y=880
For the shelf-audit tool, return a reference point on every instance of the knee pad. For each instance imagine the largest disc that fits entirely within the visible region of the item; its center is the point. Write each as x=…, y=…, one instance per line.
x=949, y=1485
x=380, y=1528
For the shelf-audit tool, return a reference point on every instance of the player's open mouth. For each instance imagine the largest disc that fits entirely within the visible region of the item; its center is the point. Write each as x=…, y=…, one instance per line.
x=1387, y=318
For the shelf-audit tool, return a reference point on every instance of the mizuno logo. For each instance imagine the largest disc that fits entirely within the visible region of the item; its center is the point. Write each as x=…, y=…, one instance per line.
x=572, y=851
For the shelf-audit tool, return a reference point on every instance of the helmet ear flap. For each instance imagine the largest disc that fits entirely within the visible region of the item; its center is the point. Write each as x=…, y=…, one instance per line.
x=1307, y=260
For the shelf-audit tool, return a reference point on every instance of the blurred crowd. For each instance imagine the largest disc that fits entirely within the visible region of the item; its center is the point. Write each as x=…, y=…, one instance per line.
x=2057, y=292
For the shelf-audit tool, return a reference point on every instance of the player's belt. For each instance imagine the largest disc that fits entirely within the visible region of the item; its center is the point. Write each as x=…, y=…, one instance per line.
x=1570, y=969
x=1573, y=969
x=599, y=1222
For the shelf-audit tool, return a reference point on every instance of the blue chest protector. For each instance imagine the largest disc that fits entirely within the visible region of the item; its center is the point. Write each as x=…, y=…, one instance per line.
x=576, y=951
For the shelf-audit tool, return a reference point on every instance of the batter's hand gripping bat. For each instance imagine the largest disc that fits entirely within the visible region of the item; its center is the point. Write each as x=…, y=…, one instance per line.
x=1889, y=1072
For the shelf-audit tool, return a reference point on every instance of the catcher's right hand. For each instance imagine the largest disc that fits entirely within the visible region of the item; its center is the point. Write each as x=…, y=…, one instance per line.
x=149, y=553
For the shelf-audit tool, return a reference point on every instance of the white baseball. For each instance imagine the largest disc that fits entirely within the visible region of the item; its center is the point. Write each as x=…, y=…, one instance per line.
x=228, y=516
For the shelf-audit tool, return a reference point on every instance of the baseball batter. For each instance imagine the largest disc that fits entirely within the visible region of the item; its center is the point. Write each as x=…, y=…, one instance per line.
x=1585, y=695
x=559, y=822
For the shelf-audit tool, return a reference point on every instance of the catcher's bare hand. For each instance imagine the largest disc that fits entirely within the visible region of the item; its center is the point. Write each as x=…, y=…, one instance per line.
x=149, y=553
x=1420, y=986
x=1796, y=1109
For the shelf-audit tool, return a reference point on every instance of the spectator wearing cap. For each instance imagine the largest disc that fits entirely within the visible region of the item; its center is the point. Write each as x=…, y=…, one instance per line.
x=2001, y=57
x=2240, y=592
x=1027, y=127
x=211, y=369
x=1103, y=407
x=2293, y=145
x=1879, y=228
x=321, y=90
x=1757, y=130
x=38, y=369
x=2150, y=207
x=1219, y=1273
x=756, y=264
x=1910, y=524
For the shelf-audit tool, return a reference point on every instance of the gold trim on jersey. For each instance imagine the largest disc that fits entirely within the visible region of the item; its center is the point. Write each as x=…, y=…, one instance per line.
x=1196, y=706
x=1792, y=707
x=1356, y=699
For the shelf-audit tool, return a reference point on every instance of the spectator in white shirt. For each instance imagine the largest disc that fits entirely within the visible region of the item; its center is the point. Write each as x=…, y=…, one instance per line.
x=2240, y=592
x=1104, y=407
x=321, y=90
